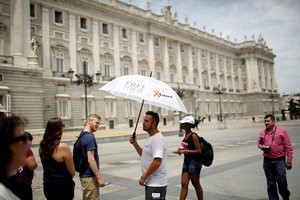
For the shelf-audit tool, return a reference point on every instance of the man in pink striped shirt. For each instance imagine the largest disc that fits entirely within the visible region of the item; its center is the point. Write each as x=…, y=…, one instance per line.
x=278, y=154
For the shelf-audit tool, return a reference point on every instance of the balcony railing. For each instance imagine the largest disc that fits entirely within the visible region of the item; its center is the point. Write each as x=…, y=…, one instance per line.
x=6, y=59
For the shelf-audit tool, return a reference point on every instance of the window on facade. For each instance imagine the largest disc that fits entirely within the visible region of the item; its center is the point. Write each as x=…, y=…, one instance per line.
x=105, y=29
x=63, y=109
x=59, y=59
x=195, y=81
x=111, y=109
x=156, y=43
x=126, y=71
x=90, y=106
x=141, y=37
x=158, y=75
x=181, y=48
x=193, y=51
x=172, y=77
x=107, y=70
x=58, y=17
x=184, y=78
x=1, y=78
x=32, y=11
x=83, y=23
x=124, y=33
x=125, y=68
x=170, y=45
x=212, y=56
x=111, y=124
x=5, y=101
x=143, y=72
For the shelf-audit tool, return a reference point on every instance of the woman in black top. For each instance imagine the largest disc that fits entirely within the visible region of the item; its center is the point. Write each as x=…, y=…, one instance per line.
x=57, y=163
x=191, y=165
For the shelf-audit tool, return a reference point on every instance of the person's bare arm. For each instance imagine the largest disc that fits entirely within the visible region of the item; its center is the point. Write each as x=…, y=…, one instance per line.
x=94, y=168
x=137, y=147
x=31, y=163
x=67, y=157
x=152, y=168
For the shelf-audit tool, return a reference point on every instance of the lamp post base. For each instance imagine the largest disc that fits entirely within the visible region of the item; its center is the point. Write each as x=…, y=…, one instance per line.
x=221, y=125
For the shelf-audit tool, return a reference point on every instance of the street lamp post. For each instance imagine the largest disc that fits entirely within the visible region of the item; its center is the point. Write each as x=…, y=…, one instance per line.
x=86, y=79
x=219, y=92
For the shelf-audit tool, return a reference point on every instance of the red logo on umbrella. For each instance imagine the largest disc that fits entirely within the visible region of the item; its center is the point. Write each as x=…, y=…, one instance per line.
x=156, y=93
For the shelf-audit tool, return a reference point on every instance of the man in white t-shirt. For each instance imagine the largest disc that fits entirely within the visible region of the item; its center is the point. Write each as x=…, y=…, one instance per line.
x=153, y=159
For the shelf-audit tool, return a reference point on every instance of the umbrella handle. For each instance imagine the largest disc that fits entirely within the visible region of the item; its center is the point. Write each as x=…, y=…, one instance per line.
x=134, y=132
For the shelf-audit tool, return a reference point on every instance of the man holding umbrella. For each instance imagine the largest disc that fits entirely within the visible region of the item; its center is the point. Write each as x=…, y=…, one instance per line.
x=153, y=159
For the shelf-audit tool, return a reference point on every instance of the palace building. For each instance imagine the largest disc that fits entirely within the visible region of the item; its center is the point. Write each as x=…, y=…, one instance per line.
x=47, y=46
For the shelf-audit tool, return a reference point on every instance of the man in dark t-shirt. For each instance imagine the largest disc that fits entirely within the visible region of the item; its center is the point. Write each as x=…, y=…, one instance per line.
x=91, y=178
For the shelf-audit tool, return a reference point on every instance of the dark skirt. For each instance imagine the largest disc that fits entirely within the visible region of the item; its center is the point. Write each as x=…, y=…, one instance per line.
x=57, y=191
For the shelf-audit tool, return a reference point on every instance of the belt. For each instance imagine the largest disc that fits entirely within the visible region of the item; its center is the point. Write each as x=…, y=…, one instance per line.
x=278, y=158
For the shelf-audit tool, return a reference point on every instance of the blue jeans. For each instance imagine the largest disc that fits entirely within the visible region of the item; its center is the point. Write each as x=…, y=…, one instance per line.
x=275, y=171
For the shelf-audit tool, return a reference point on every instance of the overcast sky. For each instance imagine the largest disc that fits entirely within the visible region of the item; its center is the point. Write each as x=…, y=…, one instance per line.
x=276, y=20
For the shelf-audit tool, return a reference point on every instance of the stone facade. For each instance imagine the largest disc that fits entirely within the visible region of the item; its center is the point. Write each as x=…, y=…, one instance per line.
x=42, y=40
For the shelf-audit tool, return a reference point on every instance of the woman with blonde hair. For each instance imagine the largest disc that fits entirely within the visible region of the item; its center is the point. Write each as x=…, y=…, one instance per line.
x=57, y=163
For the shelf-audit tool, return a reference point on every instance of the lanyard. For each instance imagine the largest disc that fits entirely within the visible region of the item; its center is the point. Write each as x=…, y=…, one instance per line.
x=273, y=135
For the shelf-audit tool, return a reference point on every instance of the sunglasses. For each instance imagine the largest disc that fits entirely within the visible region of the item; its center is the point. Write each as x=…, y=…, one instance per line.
x=23, y=138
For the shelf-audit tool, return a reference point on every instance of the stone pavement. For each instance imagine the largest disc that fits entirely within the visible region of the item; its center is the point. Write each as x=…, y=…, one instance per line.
x=109, y=135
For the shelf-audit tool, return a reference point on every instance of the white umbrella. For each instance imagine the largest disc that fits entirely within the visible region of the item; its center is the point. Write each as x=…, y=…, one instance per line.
x=146, y=90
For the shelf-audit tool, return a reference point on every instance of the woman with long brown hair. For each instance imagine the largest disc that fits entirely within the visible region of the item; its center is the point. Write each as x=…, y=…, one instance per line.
x=57, y=163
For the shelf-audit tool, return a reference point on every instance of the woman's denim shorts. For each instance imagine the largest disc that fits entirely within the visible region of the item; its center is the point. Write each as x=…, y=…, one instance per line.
x=192, y=166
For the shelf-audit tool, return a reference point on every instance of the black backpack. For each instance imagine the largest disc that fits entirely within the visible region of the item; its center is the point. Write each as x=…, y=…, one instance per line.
x=79, y=160
x=207, y=152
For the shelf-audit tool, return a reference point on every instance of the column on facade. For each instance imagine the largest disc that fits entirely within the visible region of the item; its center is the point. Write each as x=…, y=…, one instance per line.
x=263, y=80
x=72, y=43
x=268, y=71
x=166, y=60
x=20, y=31
x=217, y=67
x=151, y=53
x=252, y=74
x=199, y=68
x=117, y=51
x=274, y=84
x=46, y=42
x=2, y=36
x=96, y=51
x=240, y=81
x=178, y=63
x=209, y=71
x=134, y=53
x=190, y=65
x=232, y=75
x=225, y=74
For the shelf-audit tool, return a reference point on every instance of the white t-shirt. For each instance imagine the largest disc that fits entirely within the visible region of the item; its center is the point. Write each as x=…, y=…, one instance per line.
x=155, y=147
x=6, y=194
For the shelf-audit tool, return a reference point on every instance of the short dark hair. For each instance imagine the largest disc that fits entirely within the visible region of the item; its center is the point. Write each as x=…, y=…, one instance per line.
x=154, y=115
x=271, y=116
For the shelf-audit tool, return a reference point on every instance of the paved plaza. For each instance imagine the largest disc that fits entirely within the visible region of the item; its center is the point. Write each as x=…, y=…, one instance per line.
x=236, y=173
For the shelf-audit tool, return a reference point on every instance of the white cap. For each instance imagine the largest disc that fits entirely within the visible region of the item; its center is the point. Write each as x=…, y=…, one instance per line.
x=187, y=119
